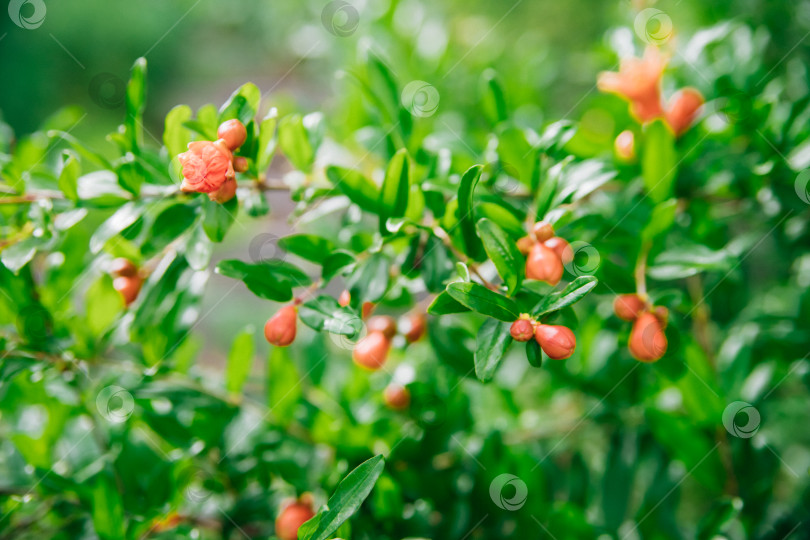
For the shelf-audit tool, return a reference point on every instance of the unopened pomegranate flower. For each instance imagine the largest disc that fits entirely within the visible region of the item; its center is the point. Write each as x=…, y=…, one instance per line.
x=206, y=166
x=638, y=80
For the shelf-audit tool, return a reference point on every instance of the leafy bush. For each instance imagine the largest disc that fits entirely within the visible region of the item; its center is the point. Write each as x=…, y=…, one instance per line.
x=111, y=430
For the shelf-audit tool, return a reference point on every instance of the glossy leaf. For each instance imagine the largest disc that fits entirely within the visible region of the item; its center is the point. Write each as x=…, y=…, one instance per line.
x=490, y=347
x=659, y=161
x=395, y=188
x=571, y=294
x=308, y=246
x=466, y=213
x=362, y=191
x=484, y=301
x=503, y=252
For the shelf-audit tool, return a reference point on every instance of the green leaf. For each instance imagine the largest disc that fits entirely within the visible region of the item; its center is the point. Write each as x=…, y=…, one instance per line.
x=283, y=385
x=240, y=359
x=120, y=220
x=273, y=280
x=503, y=252
x=491, y=344
x=101, y=188
x=135, y=103
x=362, y=191
x=172, y=222
x=176, y=136
x=217, y=218
x=103, y=305
x=395, y=188
x=69, y=175
x=466, y=214
x=534, y=354
x=659, y=161
x=503, y=217
x=255, y=203
x=494, y=99
x=335, y=263
x=267, y=140
x=107, y=508
x=198, y=249
x=324, y=313
x=308, y=246
x=370, y=279
x=350, y=494
x=571, y=294
x=662, y=218
x=294, y=142
x=242, y=105
x=480, y=299
x=130, y=175
x=16, y=256
x=445, y=304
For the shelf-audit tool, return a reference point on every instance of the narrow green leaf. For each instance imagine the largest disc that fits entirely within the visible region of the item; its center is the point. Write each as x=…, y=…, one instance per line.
x=484, y=301
x=240, y=359
x=242, y=105
x=466, y=214
x=395, y=189
x=130, y=175
x=198, y=249
x=294, y=142
x=120, y=220
x=218, y=217
x=662, y=218
x=362, y=191
x=503, y=252
x=491, y=344
x=494, y=99
x=370, y=278
x=534, y=354
x=135, y=104
x=308, y=246
x=350, y=494
x=336, y=262
x=69, y=175
x=273, y=280
x=107, y=508
x=445, y=304
x=176, y=136
x=267, y=140
x=573, y=293
x=659, y=161
x=283, y=385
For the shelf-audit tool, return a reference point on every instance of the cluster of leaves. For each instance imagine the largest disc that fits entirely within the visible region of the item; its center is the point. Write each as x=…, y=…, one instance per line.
x=418, y=222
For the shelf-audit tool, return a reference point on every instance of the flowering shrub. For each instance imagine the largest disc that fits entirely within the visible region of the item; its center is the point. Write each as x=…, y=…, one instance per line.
x=682, y=220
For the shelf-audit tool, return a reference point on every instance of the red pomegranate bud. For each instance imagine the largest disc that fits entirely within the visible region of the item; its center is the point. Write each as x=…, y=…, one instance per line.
x=522, y=330
x=625, y=145
x=368, y=308
x=371, y=351
x=558, y=342
x=628, y=306
x=206, y=166
x=561, y=248
x=544, y=265
x=683, y=109
x=345, y=298
x=662, y=314
x=129, y=287
x=384, y=324
x=225, y=193
x=240, y=164
x=233, y=132
x=416, y=324
x=280, y=328
x=396, y=397
x=525, y=244
x=648, y=342
x=639, y=81
x=291, y=518
x=542, y=230
x=123, y=267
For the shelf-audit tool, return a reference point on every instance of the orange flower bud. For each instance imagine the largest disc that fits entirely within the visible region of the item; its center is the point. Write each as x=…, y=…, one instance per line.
x=648, y=342
x=522, y=330
x=639, y=81
x=683, y=109
x=384, y=324
x=542, y=230
x=291, y=518
x=240, y=164
x=123, y=267
x=367, y=309
x=625, y=145
x=525, y=244
x=206, y=166
x=561, y=248
x=345, y=298
x=543, y=264
x=371, y=351
x=225, y=193
x=128, y=286
x=416, y=323
x=396, y=397
x=628, y=306
x=279, y=330
x=558, y=342
x=662, y=314
x=233, y=132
